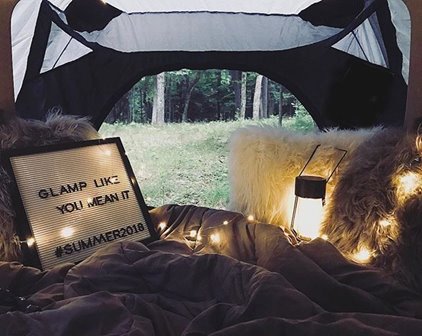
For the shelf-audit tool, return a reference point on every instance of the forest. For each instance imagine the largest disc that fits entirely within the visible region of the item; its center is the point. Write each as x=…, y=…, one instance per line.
x=203, y=95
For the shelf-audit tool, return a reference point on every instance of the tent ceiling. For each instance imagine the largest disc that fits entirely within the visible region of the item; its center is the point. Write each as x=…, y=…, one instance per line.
x=85, y=53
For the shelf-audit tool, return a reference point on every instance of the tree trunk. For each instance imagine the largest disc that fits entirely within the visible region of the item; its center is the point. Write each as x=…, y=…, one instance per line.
x=237, y=87
x=242, y=113
x=189, y=91
x=159, y=99
x=257, y=98
x=280, y=106
x=264, y=98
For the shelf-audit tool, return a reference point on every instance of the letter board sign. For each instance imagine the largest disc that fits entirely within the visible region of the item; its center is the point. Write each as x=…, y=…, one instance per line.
x=74, y=198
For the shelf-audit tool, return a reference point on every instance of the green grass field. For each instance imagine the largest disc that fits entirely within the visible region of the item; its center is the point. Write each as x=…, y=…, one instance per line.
x=185, y=163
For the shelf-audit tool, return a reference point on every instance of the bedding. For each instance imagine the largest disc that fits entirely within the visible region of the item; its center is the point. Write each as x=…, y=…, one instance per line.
x=250, y=281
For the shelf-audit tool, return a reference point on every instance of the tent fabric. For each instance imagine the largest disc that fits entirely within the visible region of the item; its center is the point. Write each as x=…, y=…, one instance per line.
x=24, y=19
x=83, y=55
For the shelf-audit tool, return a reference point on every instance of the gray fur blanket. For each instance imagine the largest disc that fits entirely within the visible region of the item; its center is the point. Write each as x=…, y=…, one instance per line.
x=250, y=282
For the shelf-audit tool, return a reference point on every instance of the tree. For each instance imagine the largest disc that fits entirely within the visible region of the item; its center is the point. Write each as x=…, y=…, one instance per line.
x=243, y=96
x=257, y=98
x=264, y=98
x=188, y=94
x=159, y=100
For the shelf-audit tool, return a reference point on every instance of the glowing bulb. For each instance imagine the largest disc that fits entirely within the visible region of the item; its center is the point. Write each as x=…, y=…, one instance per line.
x=408, y=182
x=324, y=236
x=162, y=226
x=67, y=232
x=225, y=222
x=307, y=221
x=215, y=238
x=251, y=218
x=30, y=241
x=384, y=223
x=193, y=233
x=363, y=255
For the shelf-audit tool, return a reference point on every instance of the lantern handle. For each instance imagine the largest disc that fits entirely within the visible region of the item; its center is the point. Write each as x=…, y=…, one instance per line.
x=339, y=161
x=312, y=155
x=309, y=160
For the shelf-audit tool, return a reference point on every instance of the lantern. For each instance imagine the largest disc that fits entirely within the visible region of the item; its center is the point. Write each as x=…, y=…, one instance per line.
x=309, y=201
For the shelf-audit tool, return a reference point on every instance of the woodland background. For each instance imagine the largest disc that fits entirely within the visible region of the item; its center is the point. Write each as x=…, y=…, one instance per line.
x=175, y=128
x=203, y=95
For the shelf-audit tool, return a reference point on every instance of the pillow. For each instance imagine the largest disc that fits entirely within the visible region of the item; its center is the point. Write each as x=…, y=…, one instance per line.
x=25, y=133
x=376, y=206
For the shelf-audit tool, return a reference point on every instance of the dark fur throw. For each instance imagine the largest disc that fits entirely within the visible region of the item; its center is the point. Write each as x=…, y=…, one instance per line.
x=26, y=133
x=377, y=205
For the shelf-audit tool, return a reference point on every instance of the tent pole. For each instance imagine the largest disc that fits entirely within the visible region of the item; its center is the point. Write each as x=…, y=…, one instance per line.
x=7, y=97
x=413, y=116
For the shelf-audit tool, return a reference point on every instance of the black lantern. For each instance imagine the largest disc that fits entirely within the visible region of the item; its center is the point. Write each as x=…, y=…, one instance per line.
x=309, y=201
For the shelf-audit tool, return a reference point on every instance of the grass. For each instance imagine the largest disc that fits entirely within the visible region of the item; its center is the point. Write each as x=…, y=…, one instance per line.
x=185, y=163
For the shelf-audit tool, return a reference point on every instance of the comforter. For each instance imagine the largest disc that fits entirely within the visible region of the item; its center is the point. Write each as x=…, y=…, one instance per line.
x=213, y=272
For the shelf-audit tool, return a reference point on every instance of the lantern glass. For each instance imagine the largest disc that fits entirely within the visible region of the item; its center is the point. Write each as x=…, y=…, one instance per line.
x=308, y=216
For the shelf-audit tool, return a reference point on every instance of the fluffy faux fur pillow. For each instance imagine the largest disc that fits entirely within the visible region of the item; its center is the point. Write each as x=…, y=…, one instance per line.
x=24, y=133
x=264, y=161
x=377, y=205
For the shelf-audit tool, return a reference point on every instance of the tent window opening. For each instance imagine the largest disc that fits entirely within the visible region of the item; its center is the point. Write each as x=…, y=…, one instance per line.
x=176, y=127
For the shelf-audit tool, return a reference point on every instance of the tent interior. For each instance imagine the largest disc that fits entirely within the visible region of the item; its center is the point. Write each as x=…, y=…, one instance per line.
x=204, y=271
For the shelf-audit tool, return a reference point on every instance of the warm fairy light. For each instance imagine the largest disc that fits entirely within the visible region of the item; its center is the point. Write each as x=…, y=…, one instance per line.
x=162, y=226
x=324, y=236
x=251, y=218
x=215, y=238
x=67, y=232
x=225, y=222
x=363, y=255
x=384, y=223
x=30, y=241
x=307, y=222
x=408, y=182
x=193, y=233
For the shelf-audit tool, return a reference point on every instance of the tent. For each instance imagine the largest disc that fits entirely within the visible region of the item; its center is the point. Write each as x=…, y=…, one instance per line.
x=346, y=61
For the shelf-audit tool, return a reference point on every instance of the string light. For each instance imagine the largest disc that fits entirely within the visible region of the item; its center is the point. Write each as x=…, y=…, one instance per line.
x=193, y=233
x=363, y=255
x=408, y=182
x=30, y=241
x=384, y=223
x=225, y=222
x=215, y=238
x=67, y=232
x=251, y=218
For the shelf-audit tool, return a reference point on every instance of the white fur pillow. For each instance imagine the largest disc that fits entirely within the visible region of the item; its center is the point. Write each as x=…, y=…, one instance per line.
x=24, y=133
x=264, y=161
